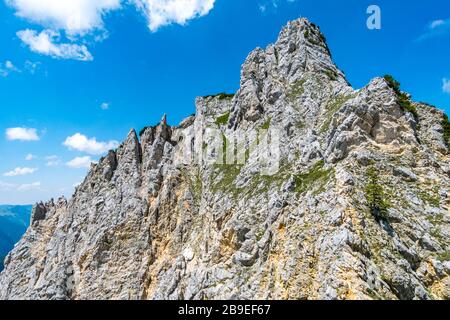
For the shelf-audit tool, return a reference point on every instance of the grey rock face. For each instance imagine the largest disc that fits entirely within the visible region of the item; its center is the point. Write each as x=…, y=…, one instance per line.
x=357, y=209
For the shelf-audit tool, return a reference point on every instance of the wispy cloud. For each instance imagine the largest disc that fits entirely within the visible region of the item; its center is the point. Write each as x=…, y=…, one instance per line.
x=7, y=68
x=266, y=5
x=80, y=142
x=32, y=66
x=435, y=28
x=20, y=172
x=30, y=157
x=48, y=43
x=446, y=85
x=53, y=161
x=4, y=186
x=29, y=186
x=22, y=134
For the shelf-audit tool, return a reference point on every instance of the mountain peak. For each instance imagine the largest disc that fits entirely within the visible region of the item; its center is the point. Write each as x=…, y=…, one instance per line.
x=300, y=51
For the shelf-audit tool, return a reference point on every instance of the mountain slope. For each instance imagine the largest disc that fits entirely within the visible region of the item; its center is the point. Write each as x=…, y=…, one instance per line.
x=348, y=198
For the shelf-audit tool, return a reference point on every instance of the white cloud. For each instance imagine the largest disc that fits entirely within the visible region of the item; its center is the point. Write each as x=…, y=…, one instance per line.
x=82, y=143
x=20, y=172
x=446, y=85
x=436, y=23
x=10, y=66
x=53, y=161
x=164, y=12
x=7, y=67
x=104, y=106
x=4, y=186
x=46, y=43
x=76, y=17
x=80, y=162
x=271, y=4
x=82, y=18
x=21, y=187
x=22, y=134
x=31, y=66
x=435, y=28
x=30, y=157
x=29, y=186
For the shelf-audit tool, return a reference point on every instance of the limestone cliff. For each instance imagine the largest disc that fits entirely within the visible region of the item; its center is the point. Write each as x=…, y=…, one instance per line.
x=355, y=206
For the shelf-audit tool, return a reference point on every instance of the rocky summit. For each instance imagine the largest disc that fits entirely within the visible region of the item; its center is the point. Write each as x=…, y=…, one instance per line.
x=343, y=194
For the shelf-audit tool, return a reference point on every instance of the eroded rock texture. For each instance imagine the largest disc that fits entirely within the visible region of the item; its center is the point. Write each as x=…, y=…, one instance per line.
x=359, y=208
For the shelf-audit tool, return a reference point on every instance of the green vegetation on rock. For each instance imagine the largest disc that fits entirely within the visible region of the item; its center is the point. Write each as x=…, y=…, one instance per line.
x=221, y=96
x=332, y=75
x=316, y=176
x=263, y=183
x=402, y=98
x=225, y=178
x=195, y=182
x=223, y=119
x=436, y=219
x=296, y=90
x=333, y=106
x=266, y=124
x=446, y=127
x=432, y=198
x=444, y=256
x=375, y=195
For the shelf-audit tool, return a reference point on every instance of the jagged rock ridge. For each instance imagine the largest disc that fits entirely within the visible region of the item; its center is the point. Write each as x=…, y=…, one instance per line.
x=359, y=208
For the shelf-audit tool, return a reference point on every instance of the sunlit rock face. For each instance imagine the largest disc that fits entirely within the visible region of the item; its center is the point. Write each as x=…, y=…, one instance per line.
x=356, y=207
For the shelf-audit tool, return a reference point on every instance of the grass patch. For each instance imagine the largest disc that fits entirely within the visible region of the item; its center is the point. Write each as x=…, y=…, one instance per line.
x=316, y=176
x=321, y=42
x=228, y=174
x=223, y=119
x=263, y=183
x=333, y=106
x=332, y=75
x=266, y=125
x=296, y=90
x=300, y=125
x=432, y=198
x=402, y=98
x=436, y=219
x=221, y=96
x=444, y=256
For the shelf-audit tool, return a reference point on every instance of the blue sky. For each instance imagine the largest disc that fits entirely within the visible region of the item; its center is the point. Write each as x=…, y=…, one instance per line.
x=122, y=65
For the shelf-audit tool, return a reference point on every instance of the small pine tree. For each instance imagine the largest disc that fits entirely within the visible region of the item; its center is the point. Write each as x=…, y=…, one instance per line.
x=446, y=127
x=402, y=98
x=375, y=195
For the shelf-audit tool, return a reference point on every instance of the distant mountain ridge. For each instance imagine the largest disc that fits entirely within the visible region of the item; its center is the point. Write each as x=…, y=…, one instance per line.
x=14, y=221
